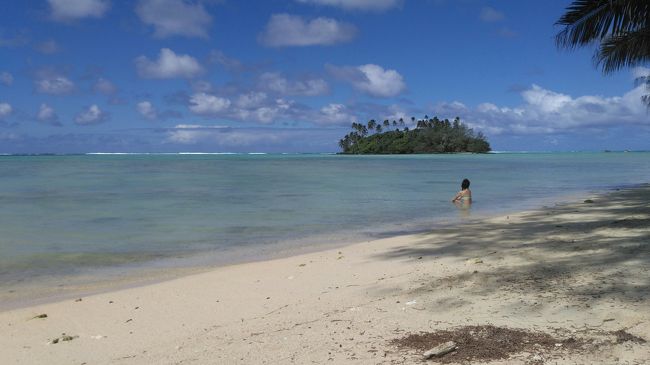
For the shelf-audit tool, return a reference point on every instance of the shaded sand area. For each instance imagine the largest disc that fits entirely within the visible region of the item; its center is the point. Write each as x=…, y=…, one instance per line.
x=570, y=282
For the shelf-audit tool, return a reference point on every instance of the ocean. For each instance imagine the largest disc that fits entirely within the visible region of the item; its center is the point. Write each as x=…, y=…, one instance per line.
x=82, y=216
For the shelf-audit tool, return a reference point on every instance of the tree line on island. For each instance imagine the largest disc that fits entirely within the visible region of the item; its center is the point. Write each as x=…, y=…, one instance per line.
x=431, y=135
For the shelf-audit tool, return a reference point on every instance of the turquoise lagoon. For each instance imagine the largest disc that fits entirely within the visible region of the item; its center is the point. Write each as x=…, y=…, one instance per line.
x=62, y=216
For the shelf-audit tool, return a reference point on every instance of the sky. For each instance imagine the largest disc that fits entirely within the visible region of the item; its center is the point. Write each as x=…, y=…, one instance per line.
x=82, y=76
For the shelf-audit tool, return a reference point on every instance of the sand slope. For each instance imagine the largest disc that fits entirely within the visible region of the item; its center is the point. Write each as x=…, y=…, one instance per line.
x=578, y=269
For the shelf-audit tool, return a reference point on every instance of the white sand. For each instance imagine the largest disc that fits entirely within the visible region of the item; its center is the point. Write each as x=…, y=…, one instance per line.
x=581, y=267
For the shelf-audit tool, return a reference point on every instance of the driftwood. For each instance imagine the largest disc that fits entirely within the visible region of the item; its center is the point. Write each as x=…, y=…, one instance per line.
x=441, y=349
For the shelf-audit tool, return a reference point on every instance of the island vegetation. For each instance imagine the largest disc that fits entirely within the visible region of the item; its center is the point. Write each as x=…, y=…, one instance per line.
x=430, y=135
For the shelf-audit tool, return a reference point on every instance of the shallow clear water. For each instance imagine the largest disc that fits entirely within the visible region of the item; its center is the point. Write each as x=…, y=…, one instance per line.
x=64, y=214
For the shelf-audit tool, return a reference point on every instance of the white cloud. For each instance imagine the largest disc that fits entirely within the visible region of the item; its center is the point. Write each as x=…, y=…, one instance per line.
x=491, y=15
x=175, y=17
x=147, y=110
x=640, y=72
x=371, y=79
x=169, y=65
x=251, y=100
x=291, y=30
x=376, y=5
x=253, y=106
x=207, y=104
x=274, y=81
x=545, y=111
x=92, y=115
x=104, y=86
x=67, y=10
x=270, y=112
x=6, y=78
x=5, y=110
x=337, y=114
x=46, y=114
x=226, y=136
x=54, y=84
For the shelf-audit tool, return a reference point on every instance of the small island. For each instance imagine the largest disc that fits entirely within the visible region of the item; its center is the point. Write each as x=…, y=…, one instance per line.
x=431, y=135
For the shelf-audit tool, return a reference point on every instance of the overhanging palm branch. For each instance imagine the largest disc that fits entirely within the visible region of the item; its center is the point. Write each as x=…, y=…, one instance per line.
x=620, y=28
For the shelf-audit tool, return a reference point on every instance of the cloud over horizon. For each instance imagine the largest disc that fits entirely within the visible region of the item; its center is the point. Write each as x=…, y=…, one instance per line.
x=46, y=114
x=92, y=115
x=545, y=111
x=147, y=110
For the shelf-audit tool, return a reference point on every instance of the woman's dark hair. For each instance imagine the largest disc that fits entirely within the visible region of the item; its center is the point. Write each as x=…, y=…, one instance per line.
x=465, y=184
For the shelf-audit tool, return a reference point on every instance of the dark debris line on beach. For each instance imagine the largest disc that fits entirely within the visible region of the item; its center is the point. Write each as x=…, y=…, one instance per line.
x=488, y=342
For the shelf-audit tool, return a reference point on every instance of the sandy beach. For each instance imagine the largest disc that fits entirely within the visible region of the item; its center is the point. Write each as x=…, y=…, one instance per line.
x=577, y=270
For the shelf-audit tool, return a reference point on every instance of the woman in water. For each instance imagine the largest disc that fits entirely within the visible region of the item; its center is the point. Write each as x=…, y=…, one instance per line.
x=464, y=196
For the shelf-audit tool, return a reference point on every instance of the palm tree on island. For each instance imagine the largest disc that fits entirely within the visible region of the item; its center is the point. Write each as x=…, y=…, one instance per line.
x=431, y=135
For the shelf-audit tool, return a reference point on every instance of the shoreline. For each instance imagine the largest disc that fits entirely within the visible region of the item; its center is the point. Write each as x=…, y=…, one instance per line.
x=577, y=266
x=100, y=280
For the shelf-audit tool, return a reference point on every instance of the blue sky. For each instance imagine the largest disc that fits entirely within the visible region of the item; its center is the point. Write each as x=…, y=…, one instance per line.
x=292, y=75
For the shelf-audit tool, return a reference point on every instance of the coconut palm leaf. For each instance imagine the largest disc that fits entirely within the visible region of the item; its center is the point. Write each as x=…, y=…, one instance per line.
x=626, y=49
x=620, y=28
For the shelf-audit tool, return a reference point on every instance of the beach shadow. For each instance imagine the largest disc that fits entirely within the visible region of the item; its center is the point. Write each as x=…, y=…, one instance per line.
x=593, y=251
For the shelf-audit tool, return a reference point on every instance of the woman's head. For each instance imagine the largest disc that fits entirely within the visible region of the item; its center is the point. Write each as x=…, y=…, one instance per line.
x=465, y=184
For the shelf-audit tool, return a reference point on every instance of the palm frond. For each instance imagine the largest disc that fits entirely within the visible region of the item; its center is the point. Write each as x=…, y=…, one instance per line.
x=627, y=49
x=588, y=21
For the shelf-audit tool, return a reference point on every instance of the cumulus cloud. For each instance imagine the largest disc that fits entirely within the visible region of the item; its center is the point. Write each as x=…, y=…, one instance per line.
x=376, y=5
x=67, y=10
x=207, y=104
x=147, y=110
x=6, y=78
x=253, y=106
x=169, y=65
x=491, y=15
x=545, y=111
x=250, y=100
x=5, y=110
x=52, y=83
x=175, y=17
x=275, y=82
x=371, y=79
x=104, y=86
x=271, y=112
x=92, y=115
x=285, y=30
x=337, y=114
x=46, y=114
